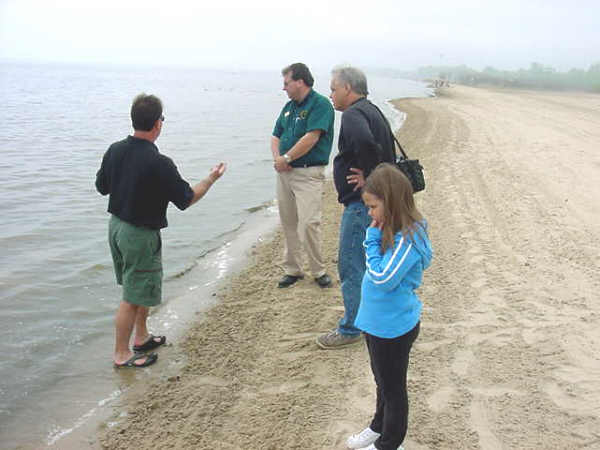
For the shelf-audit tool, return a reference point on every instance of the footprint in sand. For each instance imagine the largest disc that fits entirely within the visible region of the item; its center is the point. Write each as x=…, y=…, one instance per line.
x=439, y=400
x=428, y=347
x=489, y=297
x=286, y=339
x=284, y=388
x=296, y=356
x=495, y=391
x=533, y=336
x=462, y=362
x=473, y=250
x=480, y=422
x=476, y=259
x=211, y=381
x=363, y=398
x=479, y=283
x=498, y=338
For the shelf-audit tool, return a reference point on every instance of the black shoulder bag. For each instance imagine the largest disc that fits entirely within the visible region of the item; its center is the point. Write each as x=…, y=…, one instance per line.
x=409, y=167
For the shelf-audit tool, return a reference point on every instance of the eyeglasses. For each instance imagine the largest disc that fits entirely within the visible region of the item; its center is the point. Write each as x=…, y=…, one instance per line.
x=162, y=118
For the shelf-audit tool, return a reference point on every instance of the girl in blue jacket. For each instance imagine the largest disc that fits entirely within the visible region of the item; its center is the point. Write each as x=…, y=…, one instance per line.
x=397, y=251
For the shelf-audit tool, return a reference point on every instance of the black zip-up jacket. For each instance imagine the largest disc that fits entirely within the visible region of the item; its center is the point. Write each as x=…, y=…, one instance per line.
x=365, y=140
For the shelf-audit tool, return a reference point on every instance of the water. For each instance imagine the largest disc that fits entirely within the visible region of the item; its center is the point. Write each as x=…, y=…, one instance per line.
x=57, y=289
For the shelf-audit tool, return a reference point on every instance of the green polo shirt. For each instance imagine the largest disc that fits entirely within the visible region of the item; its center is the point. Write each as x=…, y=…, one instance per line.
x=296, y=119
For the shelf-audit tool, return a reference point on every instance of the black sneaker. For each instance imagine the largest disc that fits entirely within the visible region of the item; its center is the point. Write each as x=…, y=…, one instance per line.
x=324, y=281
x=288, y=280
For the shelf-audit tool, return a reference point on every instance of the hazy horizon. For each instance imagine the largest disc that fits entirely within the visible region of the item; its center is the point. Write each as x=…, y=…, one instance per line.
x=266, y=34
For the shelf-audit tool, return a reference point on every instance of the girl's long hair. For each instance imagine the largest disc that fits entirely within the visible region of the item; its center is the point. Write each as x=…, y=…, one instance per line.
x=391, y=186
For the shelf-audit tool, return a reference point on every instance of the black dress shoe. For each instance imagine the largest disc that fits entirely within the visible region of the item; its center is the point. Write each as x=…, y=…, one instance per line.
x=288, y=280
x=324, y=281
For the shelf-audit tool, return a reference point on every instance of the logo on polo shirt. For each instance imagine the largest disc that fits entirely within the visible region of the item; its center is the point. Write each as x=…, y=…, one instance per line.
x=303, y=114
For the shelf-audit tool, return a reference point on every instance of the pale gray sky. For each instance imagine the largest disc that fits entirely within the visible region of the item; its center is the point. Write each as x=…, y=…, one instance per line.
x=267, y=34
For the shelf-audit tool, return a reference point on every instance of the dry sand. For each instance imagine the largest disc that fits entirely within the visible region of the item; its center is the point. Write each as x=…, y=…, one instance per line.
x=508, y=353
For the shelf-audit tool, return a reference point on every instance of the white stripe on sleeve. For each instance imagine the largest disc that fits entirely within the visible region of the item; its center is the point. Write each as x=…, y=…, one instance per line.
x=395, y=268
x=379, y=274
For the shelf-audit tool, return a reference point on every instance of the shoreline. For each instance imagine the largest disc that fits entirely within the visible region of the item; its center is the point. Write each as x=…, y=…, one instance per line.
x=184, y=308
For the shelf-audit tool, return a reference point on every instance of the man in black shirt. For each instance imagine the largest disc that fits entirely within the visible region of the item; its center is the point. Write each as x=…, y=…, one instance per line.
x=365, y=140
x=141, y=183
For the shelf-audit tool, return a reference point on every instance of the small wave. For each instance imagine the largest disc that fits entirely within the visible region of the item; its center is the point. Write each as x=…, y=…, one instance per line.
x=228, y=232
x=58, y=433
x=398, y=117
x=223, y=241
x=185, y=270
x=95, y=268
x=260, y=207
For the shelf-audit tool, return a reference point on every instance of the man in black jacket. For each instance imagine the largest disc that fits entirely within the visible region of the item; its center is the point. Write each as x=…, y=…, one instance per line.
x=365, y=140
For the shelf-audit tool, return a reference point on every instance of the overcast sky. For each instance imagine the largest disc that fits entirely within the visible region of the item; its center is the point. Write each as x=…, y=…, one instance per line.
x=267, y=34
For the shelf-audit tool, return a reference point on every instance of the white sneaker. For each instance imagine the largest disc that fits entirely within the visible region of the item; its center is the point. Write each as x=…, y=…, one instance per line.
x=363, y=439
x=372, y=447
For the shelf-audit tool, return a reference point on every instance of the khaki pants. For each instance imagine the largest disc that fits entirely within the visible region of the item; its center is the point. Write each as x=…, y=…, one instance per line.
x=299, y=200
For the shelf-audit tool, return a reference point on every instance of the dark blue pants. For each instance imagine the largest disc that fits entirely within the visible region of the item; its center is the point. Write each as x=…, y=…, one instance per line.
x=389, y=362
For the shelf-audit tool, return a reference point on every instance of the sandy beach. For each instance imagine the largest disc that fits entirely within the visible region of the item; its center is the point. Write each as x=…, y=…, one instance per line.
x=508, y=353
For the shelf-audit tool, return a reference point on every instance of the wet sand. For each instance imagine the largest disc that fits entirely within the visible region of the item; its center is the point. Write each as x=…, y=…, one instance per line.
x=508, y=352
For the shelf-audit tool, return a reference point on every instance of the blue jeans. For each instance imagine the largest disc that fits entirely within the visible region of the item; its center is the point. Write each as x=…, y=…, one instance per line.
x=351, y=262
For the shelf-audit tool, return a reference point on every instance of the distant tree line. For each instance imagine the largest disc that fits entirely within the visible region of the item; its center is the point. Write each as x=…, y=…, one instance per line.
x=537, y=76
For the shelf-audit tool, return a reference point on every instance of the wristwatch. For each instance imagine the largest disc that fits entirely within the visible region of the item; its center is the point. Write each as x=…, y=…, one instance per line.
x=287, y=158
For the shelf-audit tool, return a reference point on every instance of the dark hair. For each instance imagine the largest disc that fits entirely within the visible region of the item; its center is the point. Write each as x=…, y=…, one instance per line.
x=145, y=111
x=299, y=71
x=390, y=185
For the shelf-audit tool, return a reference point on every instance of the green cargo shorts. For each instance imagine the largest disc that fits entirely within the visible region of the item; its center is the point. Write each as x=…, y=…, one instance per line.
x=137, y=260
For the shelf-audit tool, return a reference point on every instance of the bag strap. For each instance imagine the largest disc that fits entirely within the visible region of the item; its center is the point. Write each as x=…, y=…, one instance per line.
x=404, y=155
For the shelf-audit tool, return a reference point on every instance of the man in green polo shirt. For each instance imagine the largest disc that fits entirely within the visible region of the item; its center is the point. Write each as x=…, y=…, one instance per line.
x=301, y=144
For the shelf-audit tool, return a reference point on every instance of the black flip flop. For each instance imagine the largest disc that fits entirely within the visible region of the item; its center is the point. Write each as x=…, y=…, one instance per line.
x=130, y=363
x=150, y=344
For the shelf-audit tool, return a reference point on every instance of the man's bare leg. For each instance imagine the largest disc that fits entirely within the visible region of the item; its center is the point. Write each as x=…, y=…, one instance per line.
x=124, y=322
x=141, y=328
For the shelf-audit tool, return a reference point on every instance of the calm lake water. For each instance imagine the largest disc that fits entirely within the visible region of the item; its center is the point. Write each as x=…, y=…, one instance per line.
x=57, y=289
